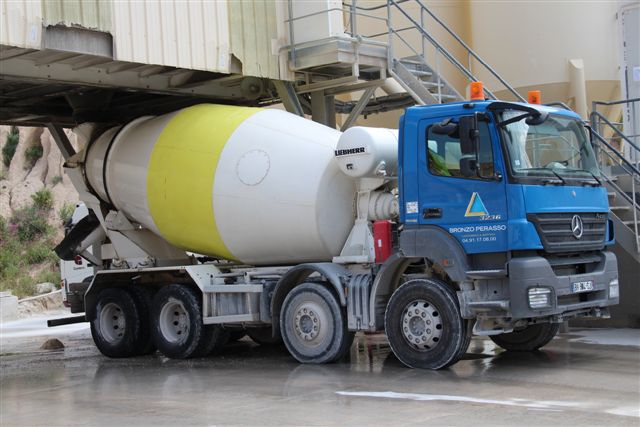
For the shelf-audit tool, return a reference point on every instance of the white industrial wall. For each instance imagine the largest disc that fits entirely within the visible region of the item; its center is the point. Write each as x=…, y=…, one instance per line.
x=21, y=23
x=531, y=44
x=192, y=35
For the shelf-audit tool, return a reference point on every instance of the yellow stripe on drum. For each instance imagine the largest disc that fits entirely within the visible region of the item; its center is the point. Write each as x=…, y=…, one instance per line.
x=181, y=172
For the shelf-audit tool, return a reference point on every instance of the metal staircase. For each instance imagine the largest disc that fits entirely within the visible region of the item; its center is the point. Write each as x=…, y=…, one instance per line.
x=355, y=61
x=421, y=74
x=621, y=174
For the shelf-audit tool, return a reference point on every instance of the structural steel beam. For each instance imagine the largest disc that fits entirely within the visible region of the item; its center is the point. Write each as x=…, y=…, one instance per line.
x=61, y=140
x=357, y=109
x=287, y=94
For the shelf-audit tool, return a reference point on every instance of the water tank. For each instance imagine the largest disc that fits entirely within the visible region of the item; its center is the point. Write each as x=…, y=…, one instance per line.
x=259, y=186
x=364, y=152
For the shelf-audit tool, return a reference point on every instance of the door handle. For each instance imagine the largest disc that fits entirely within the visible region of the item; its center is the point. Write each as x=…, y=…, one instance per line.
x=432, y=213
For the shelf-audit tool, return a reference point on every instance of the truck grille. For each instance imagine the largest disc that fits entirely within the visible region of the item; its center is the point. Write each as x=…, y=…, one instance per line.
x=556, y=233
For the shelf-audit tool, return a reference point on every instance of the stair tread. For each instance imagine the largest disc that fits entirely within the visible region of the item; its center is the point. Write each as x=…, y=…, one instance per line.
x=444, y=95
x=432, y=84
x=410, y=60
x=620, y=208
x=420, y=73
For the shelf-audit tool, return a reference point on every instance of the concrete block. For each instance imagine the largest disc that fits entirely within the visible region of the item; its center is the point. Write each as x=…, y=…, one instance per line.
x=45, y=288
x=8, y=307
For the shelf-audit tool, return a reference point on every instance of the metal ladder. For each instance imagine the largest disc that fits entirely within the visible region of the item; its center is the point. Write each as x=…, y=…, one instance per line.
x=621, y=174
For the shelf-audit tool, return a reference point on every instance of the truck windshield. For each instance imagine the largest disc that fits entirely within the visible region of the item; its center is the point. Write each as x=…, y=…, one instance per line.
x=559, y=146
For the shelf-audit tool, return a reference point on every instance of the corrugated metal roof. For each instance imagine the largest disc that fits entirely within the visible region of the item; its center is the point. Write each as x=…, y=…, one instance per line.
x=254, y=32
x=21, y=23
x=192, y=35
x=91, y=14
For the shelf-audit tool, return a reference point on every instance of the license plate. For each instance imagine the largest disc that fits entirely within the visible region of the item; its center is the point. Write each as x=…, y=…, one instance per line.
x=585, y=286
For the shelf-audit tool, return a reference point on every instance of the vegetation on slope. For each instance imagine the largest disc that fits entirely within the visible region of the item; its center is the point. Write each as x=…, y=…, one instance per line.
x=26, y=247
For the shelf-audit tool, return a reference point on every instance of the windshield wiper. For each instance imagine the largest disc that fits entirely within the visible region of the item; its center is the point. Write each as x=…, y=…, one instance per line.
x=559, y=181
x=532, y=115
x=596, y=183
x=513, y=119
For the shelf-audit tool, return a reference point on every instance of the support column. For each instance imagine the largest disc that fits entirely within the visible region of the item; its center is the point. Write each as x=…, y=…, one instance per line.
x=577, y=87
x=323, y=108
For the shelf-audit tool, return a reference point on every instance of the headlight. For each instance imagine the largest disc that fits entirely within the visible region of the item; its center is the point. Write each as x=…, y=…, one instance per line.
x=614, y=289
x=539, y=297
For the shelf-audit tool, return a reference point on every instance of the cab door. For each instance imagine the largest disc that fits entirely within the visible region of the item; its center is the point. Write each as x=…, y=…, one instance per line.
x=472, y=207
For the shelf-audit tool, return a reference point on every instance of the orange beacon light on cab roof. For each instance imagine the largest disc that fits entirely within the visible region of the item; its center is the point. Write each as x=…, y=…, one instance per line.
x=476, y=91
x=535, y=97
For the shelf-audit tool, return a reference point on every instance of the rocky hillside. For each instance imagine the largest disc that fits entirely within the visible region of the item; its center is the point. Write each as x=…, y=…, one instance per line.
x=35, y=198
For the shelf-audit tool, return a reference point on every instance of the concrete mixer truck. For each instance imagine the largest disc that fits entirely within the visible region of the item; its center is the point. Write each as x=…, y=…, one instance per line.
x=473, y=218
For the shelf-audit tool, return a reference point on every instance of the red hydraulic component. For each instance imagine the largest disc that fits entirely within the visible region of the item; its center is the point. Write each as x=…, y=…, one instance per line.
x=383, y=240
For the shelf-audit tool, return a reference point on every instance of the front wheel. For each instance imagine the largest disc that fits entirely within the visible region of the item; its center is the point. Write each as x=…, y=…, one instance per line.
x=530, y=338
x=424, y=325
x=314, y=325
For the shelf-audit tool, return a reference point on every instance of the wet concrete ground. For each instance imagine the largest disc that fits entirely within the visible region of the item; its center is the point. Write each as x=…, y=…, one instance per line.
x=586, y=377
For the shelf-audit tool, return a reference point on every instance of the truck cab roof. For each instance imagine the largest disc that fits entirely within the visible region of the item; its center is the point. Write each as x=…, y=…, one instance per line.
x=454, y=108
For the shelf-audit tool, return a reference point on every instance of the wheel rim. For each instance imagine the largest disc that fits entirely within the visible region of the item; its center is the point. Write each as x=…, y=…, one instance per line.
x=112, y=322
x=310, y=323
x=174, y=322
x=421, y=325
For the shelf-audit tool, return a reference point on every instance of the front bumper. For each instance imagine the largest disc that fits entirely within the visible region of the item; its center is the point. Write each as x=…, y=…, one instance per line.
x=536, y=272
x=508, y=297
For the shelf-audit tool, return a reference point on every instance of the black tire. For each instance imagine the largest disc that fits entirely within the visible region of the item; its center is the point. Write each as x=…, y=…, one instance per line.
x=314, y=325
x=178, y=331
x=264, y=336
x=429, y=311
x=116, y=326
x=464, y=346
x=219, y=338
x=142, y=298
x=530, y=338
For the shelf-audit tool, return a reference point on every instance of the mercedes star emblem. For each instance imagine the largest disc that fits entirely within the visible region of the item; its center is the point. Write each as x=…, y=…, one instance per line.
x=577, y=228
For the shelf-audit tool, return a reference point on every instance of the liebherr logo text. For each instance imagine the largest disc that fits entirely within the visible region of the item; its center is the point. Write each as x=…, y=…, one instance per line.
x=477, y=228
x=348, y=151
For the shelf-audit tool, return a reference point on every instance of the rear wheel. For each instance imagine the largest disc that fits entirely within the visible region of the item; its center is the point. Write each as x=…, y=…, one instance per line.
x=530, y=338
x=313, y=325
x=116, y=326
x=424, y=326
x=178, y=331
x=142, y=299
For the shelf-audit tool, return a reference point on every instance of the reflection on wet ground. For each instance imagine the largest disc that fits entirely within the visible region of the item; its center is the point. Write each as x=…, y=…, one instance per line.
x=569, y=383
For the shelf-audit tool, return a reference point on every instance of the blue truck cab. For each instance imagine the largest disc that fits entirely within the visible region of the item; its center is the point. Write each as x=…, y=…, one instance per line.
x=506, y=199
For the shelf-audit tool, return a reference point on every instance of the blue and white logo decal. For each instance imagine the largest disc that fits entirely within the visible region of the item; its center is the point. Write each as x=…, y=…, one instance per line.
x=476, y=207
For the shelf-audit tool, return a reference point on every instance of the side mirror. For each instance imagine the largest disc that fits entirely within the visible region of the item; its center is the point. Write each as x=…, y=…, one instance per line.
x=469, y=135
x=468, y=166
x=446, y=127
x=537, y=119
